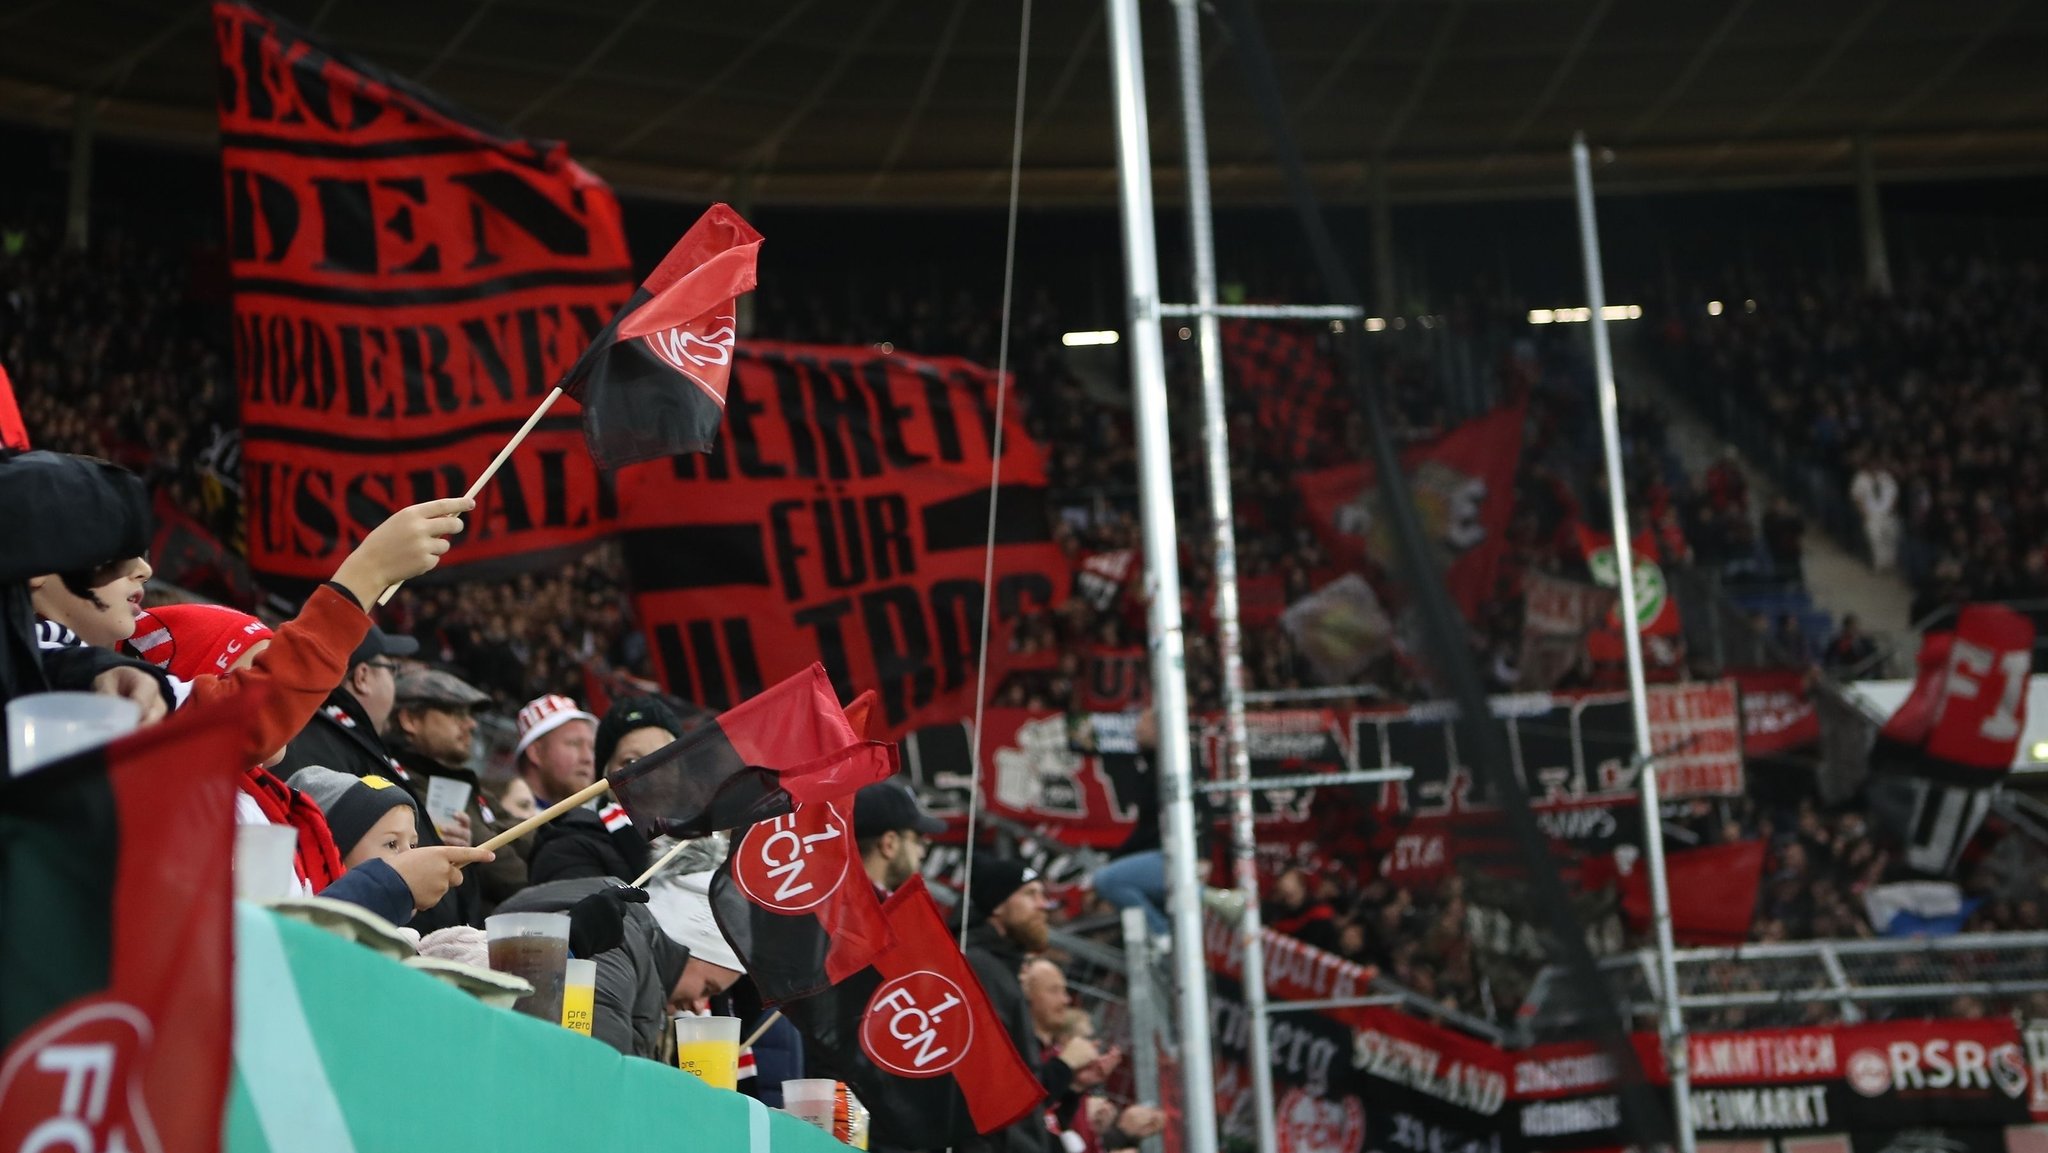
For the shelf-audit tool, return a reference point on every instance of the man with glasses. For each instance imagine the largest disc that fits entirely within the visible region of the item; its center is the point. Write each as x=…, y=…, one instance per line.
x=347, y=733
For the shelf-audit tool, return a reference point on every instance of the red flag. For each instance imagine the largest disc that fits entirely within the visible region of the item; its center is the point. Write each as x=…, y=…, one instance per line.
x=13, y=433
x=1968, y=708
x=785, y=747
x=796, y=905
x=1713, y=892
x=116, y=990
x=915, y=1035
x=653, y=383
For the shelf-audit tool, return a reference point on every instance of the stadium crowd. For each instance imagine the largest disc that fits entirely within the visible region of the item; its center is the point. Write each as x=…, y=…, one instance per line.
x=120, y=353
x=1918, y=411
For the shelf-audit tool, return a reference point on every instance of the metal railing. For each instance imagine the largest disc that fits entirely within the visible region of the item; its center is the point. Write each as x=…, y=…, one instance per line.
x=1815, y=982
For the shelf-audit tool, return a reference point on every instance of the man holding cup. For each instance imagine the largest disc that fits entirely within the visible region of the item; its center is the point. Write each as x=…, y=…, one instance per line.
x=669, y=957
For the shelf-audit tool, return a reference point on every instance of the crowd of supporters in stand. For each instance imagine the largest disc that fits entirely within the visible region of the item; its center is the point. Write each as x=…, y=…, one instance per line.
x=121, y=352
x=1920, y=410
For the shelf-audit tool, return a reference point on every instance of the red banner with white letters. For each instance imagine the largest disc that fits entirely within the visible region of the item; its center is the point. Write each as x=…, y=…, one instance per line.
x=408, y=285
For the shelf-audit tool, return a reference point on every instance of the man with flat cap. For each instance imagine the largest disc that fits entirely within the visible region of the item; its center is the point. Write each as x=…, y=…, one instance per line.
x=432, y=732
x=892, y=832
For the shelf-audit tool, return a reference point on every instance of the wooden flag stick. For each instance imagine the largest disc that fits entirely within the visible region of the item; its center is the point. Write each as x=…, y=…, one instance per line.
x=545, y=815
x=766, y=1023
x=504, y=454
x=658, y=866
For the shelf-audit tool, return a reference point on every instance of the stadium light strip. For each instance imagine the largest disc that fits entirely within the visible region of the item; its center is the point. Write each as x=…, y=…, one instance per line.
x=1085, y=339
x=1582, y=315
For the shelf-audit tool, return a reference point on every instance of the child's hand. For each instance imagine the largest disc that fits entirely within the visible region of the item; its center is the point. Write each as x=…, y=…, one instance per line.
x=410, y=542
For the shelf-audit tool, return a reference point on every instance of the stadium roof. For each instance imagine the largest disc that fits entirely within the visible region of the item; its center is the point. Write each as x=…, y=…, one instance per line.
x=909, y=101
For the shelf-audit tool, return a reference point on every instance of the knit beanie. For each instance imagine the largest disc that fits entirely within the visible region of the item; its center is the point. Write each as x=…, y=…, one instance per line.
x=352, y=803
x=629, y=713
x=202, y=640
x=682, y=907
x=995, y=878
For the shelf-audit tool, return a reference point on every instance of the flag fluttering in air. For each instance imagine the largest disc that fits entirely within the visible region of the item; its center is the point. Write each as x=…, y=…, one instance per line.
x=652, y=384
x=788, y=746
x=13, y=433
x=917, y=1038
x=116, y=993
x=795, y=904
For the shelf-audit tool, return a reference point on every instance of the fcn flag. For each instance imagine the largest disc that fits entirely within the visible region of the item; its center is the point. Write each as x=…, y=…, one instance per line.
x=653, y=382
x=789, y=746
x=795, y=904
x=917, y=1038
x=115, y=973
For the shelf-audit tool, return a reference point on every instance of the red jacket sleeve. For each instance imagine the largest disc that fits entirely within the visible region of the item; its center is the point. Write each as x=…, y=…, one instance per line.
x=306, y=660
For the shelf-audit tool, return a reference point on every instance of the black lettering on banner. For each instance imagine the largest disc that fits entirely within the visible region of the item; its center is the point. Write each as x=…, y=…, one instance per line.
x=390, y=320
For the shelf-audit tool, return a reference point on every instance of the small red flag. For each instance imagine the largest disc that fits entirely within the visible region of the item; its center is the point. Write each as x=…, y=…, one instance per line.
x=788, y=746
x=653, y=382
x=795, y=904
x=915, y=1034
x=13, y=433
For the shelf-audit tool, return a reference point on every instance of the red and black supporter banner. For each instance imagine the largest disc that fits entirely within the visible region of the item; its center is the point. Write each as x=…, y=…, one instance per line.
x=115, y=972
x=1657, y=620
x=1293, y=383
x=1464, y=485
x=1963, y=720
x=796, y=905
x=1778, y=712
x=1572, y=751
x=409, y=284
x=841, y=520
x=1377, y=1078
x=916, y=1036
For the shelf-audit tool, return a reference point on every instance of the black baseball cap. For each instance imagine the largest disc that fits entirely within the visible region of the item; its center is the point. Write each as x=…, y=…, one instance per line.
x=890, y=807
x=382, y=644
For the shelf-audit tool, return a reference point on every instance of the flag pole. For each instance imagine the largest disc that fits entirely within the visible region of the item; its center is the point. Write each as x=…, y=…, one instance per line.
x=1223, y=547
x=498, y=462
x=574, y=800
x=1673, y=1025
x=1162, y=570
x=658, y=866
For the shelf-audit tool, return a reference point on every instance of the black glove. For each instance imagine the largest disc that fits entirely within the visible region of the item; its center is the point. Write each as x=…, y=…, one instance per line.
x=598, y=922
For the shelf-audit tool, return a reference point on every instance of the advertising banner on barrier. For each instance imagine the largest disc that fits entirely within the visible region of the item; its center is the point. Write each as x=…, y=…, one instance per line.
x=1377, y=1078
x=1573, y=753
x=408, y=285
x=842, y=519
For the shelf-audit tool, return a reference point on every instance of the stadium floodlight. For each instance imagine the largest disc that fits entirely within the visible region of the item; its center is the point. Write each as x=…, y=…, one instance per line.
x=1087, y=339
x=1713, y=308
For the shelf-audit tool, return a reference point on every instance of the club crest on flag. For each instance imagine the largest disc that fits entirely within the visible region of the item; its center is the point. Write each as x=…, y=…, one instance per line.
x=795, y=862
x=917, y=1025
x=684, y=350
x=77, y=1082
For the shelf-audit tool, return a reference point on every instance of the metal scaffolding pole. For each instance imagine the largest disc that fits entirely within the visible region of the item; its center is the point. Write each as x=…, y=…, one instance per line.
x=1223, y=542
x=1162, y=570
x=1675, y=1055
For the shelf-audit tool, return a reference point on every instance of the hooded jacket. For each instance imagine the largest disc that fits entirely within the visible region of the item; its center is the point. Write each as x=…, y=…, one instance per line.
x=630, y=1012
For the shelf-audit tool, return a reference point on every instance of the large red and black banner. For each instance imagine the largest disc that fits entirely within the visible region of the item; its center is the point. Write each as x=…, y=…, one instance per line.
x=1464, y=484
x=1292, y=382
x=842, y=519
x=409, y=284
